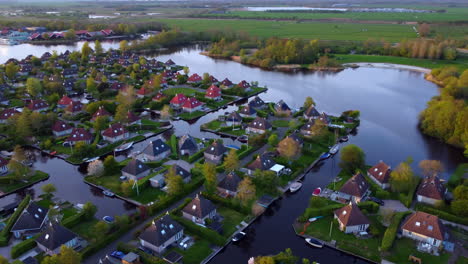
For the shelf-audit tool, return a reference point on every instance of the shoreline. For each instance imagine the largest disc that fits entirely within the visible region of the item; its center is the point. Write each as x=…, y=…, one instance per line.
x=386, y=65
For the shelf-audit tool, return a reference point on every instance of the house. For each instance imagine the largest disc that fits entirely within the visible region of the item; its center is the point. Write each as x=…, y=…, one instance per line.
x=79, y=135
x=199, y=210
x=135, y=170
x=248, y=111
x=425, y=228
x=244, y=85
x=228, y=185
x=282, y=108
x=257, y=103
x=101, y=112
x=324, y=118
x=6, y=114
x=351, y=219
x=159, y=97
x=107, y=32
x=311, y=113
x=380, y=174
x=69, y=72
x=117, y=86
x=144, y=91
x=233, y=119
x=258, y=126
x=213, y=93
x=156, y=150
x=169, y=64
x=133, y=119
x=31, y=221
x=54, y=236
x=188, y=145
x=191, y=105
x=115, y=132
x=213, y=80
x=356, y=188
x=74, y=108
x=263, y=162
x=3, y=166
x=226, y=83
x=185, y=174
x=25, y=70
x=194, y=79
x=178, y=101
x=297, y=138
x=64, y=101
x=431, y=190
x=161, y=234
x=38, y=105
x=307, y=130
x=215, y=152
x=61, y=128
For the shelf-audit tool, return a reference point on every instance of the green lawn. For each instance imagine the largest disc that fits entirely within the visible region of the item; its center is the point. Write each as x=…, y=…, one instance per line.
x=69, y=212
x=280, y=123
x=231, y=220
x=37, y=177
x=213, y=125
x=404, y=247
x=193, y=115
x=196, y=253
x=148, y=194
x=181, y=90
x=86, y=230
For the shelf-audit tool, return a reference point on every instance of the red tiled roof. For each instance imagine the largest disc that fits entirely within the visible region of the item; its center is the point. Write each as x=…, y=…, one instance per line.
x=159, y=96
x=243, y=84
x=65, y=100
x=431, y=187
x=355, y=186
x=351, y=215
x=213, y=92
x=74, y=106
x=131, y=117
x=381, y=172
x=194, y=78
x=179, y=99
x=100, y=112
x=424, y=224
x=226, y=82
x=143, y=91
x=81, y=32
x=37, y=104
x=107, y=31
x=114, y=130
x=79, y=134
x=191, y=102
x=60, y=126
x=7, y=113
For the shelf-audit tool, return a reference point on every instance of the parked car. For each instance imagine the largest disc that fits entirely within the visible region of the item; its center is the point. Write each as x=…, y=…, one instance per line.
x=377, y=201
x=117, y=254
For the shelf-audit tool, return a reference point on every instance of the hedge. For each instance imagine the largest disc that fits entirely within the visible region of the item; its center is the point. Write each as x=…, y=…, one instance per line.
x=74, y=220
x=196, y=156
x=323, y=211
x=146, y=258
x=174, y=146
x=246, y=152
x=95, y=247
x=5, y=234
x=369, y=206
x=442, y=214
x=206, y=233
x=9, y=179
x=390, y=233
x=229, y=203
x=22, y=247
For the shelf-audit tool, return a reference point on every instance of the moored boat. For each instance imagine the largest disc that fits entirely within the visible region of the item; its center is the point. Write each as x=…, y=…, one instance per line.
x=317, y=191
x=325, y=156
x=124, y=147
x=334, y=149
x=313, y=219
x=295, y=186
x=344, y=139
x=108, y=193
x=314, y=242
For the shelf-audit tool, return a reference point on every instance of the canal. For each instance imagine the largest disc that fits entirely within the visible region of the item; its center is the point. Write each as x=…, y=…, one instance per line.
x=389, y=100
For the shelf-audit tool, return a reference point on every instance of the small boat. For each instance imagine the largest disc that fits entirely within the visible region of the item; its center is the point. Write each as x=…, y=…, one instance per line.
x=325, y=156
x=238, y=236
x=108, y=193
x=124, y=147
x=317, y=191
x=295, y=186
x=243, y=139
x=334, y=149
x=108, y=219
x=53, y=153
x=314, y=242
x=313, y=219
x=344, y=139
x=91, y=159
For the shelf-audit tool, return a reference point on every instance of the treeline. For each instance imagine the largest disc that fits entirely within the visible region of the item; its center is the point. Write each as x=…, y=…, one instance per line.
x=446, y=116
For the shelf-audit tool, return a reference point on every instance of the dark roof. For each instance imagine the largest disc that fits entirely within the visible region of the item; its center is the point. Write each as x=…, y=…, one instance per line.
x=135, y=167
x=100, y=112
x=55, y=236
x=217, y=148
x=31, y=218
x=262, y=162
x=256, y=102
x=234, y=117
x=37, y=104
x=161, y=231
x=260, y=123
x=187, y=142
x=351, y=215
x=282, y=106
x=355, y=186
x=424, y=224
x=173, y=257
x=182, y=172
x=431, y=187
x=74, y=106
x=308, y=126
x=114, y=130
x=60, y=126
x=311, y=111
x=156, y=147
x=230, y=182
x=30, y=260
x=79, y=134
x=296, y=138
x=199, y=207
x=248, y=110
x=7, y=113
x=380, y=172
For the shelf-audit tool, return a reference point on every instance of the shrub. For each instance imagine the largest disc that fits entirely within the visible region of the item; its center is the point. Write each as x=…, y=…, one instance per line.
x=5, y=234
x=382, y=194
x=442, y=214
x=196, y=156
x=324, y=211
x=22, y=247
x=229, y=203
x=390, y=233
x=174, y=146
x=74, y=220
x=318, y=202
x=206, y=233
x=369, y=206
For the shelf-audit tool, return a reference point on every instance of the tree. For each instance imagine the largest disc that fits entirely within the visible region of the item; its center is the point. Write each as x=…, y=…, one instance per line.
x=402, y=178
x=101, y=227
x=460, y=192
x=98, y=47
x=127, y=187
x=111, y=166
x=70, y=34
x=91, y=86
x=209, y=170
x=352, y=158
x=122, y=220
x=265, y=260
x=100, y=123
x=186, y=70
x=48, y=189
x=308, y=102
x=23, y=126
x=175, y=183
x=460, y=208
x=157, y=80
x=123, y=45
x=33, y=86
x=10, y=70
x=273, y=140
x=246, y=190
x=121, y=113
x=85, y=51
x=18, y=154
x=265, y=180
x=424, y=29
x=289, y=148
x=95, y=168
x=89, y=210
x=431, y=167
x=68, y=256
x=165, y=113
x=231, y=161
x=3, y=260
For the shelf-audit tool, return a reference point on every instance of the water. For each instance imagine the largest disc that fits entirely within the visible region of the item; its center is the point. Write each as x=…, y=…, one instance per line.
x=389, y=100
x=293, y=8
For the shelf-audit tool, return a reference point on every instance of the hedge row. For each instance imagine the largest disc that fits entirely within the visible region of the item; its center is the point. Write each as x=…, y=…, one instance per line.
x=196, y=156
x=173, y=142
x=95, y=247
x=229, y=203
x=369, y=206
x=22, y=247
x=206, y=233
x=9, y=179
x=146, y=258
x=5, y=234
x=246, y=152
x=442, y=214
x=390, y=233
x=323, y=211
x=74, y=220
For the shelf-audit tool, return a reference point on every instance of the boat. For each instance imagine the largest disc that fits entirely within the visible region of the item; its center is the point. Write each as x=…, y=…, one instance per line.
x=325, y=156
x=108, y=193
x=243, y=139
x=53, y=153
x=124, y=147
x=314, y=242
x=344, y=139
x=317, y=191
x=313, y=219
x=91, y=159
x=238, y=236
x=295, y=186
x=334, y=149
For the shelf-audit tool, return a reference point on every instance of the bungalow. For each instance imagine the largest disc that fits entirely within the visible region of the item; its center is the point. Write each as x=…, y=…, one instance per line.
x=167, y=75
x=183, y=173
x=96, y=34
x=215, y=152
x=82, y=33
x=156, y=150
x=107, y=32
x=6, y=114
x=54, y=236
x=257, y=103
x=191, y=105
x=425, y=228
x=431, y=190
x=161, y=234
x=188, y=145
x=70, y=72
x=61, y=128
x=226, y=83
x=69, y=83
x=3, y=166
x=228, y=186
x=75, y=107
x=38, y=105
x=213, y=80
x=169, y=64
x=356, y=188
x=380, y=174
x=351, y=219
x=135, y=170
x=258, y=126
x=117, y=86
x=194, y=79
x=248, y=111
x=101, y=112
x=263, y=162
x=36, y=36
x=144, y=91
x=233, y=119
x=282, y=108
x=199, y=210
x=178, y=101
x=31, y=221
x=64, y=101
x=79, y=135
x=133, y=119
x=307, y=130
x=213, y=93
x=244, y=85
x=159, y=97
x=115, y=132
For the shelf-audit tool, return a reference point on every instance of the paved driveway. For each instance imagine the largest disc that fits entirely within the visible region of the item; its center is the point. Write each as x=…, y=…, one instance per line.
x=394, y=205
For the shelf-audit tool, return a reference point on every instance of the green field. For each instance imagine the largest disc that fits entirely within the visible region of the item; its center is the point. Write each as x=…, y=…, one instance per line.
x=305, y=30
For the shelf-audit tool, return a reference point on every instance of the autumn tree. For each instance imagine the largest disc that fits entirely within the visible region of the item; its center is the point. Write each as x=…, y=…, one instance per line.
x=101, y=227
x=23, y=126
x=85, y=51
x=49, y=189
x=352, y=158
x=289, y=148
x=460, y=192
x=111, y=166
x=308, y=102
x=460, y=207
x=67, y=256
x=70, y=34
x=174, y=182
x=10, y=70
x=402, y=177
x=123, y=45
x=165, y=113
x=121, y=113
x=98, y=47
x=431, y=167
x=34, y=87
x=231, y=161
x=273, y=139
x=100, y=123
x=157, y=80
x=246, y=190
x=209, y=171
x=127, y=187
x=89, y=210
x=95, y=168
x=424, y=29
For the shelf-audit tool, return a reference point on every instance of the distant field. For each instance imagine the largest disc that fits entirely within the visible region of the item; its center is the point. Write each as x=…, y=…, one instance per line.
x=305, y=30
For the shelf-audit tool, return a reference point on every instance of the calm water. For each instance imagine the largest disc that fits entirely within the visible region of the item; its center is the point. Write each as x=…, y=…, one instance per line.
x=389, y=100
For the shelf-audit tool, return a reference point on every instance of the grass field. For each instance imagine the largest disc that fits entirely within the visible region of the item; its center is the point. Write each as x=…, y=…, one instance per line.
x=305, y=30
